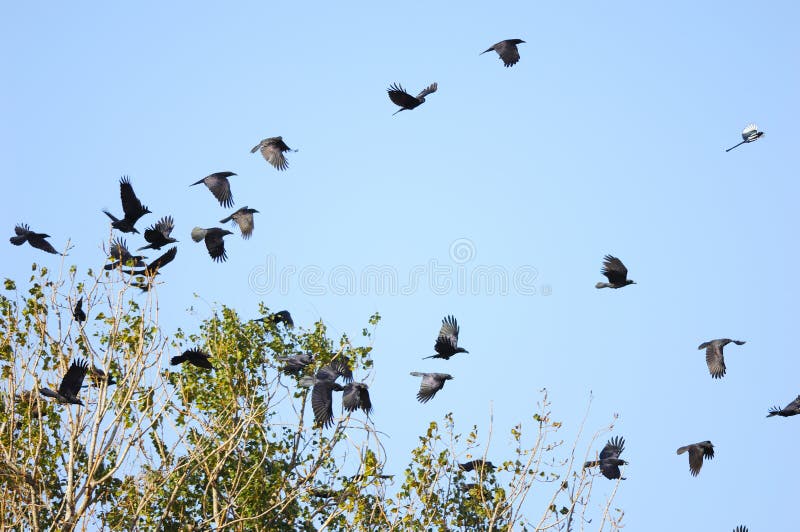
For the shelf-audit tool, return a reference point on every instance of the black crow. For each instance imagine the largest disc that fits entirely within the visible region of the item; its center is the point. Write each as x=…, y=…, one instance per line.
x=244, y=219
x=609, y=461
x=400, y=97
x=272, y=149
x=283, y=316
x=214, y=243
x=195, y=357
x=749, y=134
x=322, y=401
x=296, y=363
x=480, y=465
x=152, y=269
x=697, y=451
x=98, y=376
x=792, y=409
x=219, y=185
x=131, y=207
x=70, y=384
x=37, y=240
x=77, y=312
x=507, y=50
x=122, y=257
x=616, y=272
x=447, y=342
x=355, y=396
x=157, y=235
x=431, y=383
x=714, y=358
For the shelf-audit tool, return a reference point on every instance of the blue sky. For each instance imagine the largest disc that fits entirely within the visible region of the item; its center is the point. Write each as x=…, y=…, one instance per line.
x=607, y=137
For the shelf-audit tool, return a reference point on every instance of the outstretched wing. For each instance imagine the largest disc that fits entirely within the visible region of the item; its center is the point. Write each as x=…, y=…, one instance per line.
x=400, y=97
x=447, y=341
x=508, y=52
x=272, y=150
x=430, y=89
x=322, y=402
x=355, y=396
x=131, y=205
x=73, y=378
x=715, y=360
x=614, y=270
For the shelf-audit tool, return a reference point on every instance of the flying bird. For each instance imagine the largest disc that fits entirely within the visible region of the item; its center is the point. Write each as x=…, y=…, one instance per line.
x=214, y=243
x=322, y=401
x=272, y=149
x=244, y=219
x=749, y=134
x=98, y=377
x=296, y=363
x=152, y=269
x=792, y=409
x=283, y=316
x=70, y=385
x=400, y=97
x=480, y=465
x=157, y=235
x=609, y=461
x=697, y=451
x=447, y=342
x=616, y=272
x=507, y=50
x=195, y=357
x=219, y=185
x=131, y=207
x=355, y=396
x=714, y=358
x=37, y=240
x=122, y=257
x=431, y=383
x=77, y=311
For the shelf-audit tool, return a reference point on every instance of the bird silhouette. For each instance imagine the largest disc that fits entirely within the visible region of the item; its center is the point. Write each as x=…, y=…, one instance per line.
x=77, y=311
x=431, y=383
x=749, y=134
x=609, y=461
x=272, y=150
x=158, y=234
x=70, y=385
x=122, y=257
x=131, y=207
x=322, y=401
x=24, y=234
x=615, y=272
x=697, y=451
x=714, y=356
x=792, y=409
x=219, y=186
x=355, y=396
x=196, y=357
x=244, y=219
x=447, y=342
x=507, y=50
x=152, y=269
x=479, y=464
x=214, y=241
x=400, y=97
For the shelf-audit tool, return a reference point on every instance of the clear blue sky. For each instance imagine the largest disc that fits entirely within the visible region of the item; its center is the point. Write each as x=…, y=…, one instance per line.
x=607, y=137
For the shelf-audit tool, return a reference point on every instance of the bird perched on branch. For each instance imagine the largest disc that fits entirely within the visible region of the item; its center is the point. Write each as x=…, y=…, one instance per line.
x=70, y=385
x=244, y=219
x=131, y=207
x=219, y=186
x=697, y=451
x=447, y=342
x=792, y=409
x=431, y=383
x=400, y=97
x=507, y=50
x=272, y=150
x=615, y=272
x=77, y=311
x=609, y=461
x=214, y=243
x=37, y=240
x=749, y=134
x=195, y=357
x=157, y=235
x=714, y=358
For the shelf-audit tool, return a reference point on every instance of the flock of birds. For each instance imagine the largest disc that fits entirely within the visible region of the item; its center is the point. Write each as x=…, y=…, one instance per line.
x=355, y=395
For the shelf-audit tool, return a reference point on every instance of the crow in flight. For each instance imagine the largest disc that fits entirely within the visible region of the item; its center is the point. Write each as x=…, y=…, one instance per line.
x=616, y=272
x=195, y=357
x=714, y=358
x=296, y=363
x=157, y=235
x=431, y=383
x=98, y=377
x=244, y=218
x=131, y=207
x=152, y=269
x=480, y=465
x=122, y=257
x=272, y=149
x=77, y=312
x=697, y=451
x=447, y=342
x=219, y=185
x=214, y=243
x=322, y=401
x=70, y=385
x=609, y=461
x=792, y=409
x=37, y=240
x=400, y=97
x=749, y=134
x=355, y=396
x=507, y=50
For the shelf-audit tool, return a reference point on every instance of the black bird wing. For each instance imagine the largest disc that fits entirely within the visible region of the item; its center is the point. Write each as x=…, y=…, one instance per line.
x=322, y=401
x=73, y=378
x=431, y=383
x=697, y=451
x=220, y=187
x=78, y=312
x=794, y=406
x=508, y=52
x=158, y=233
x=131, y=205
x=162, y=261
x=355, y=396
x=272, y=150
x=447, y=341
x=614, y=270
x=430, y=89
x=244, y=219
x=216, y=245
x=283, y=316
x=198, y=357
x=611, y=451
x=400, y=97
x=715, y=359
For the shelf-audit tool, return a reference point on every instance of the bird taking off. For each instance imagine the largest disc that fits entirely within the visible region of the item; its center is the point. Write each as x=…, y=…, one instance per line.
x=749, y=134
x=37, y=240
x=507, y=50
x=219, y=185
x=400, y=97
x=609, y=461
x=714, y=358
x=131, y=207
x=615, y=272
x=431, y=383
x=214, y=243
x=447, y=342
x=792, y=409
x=70, y=385
x=157, y=235
x=195, y=357
x=244, y=219
x=697, y=451
x=122, y=257
x=272, y=150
